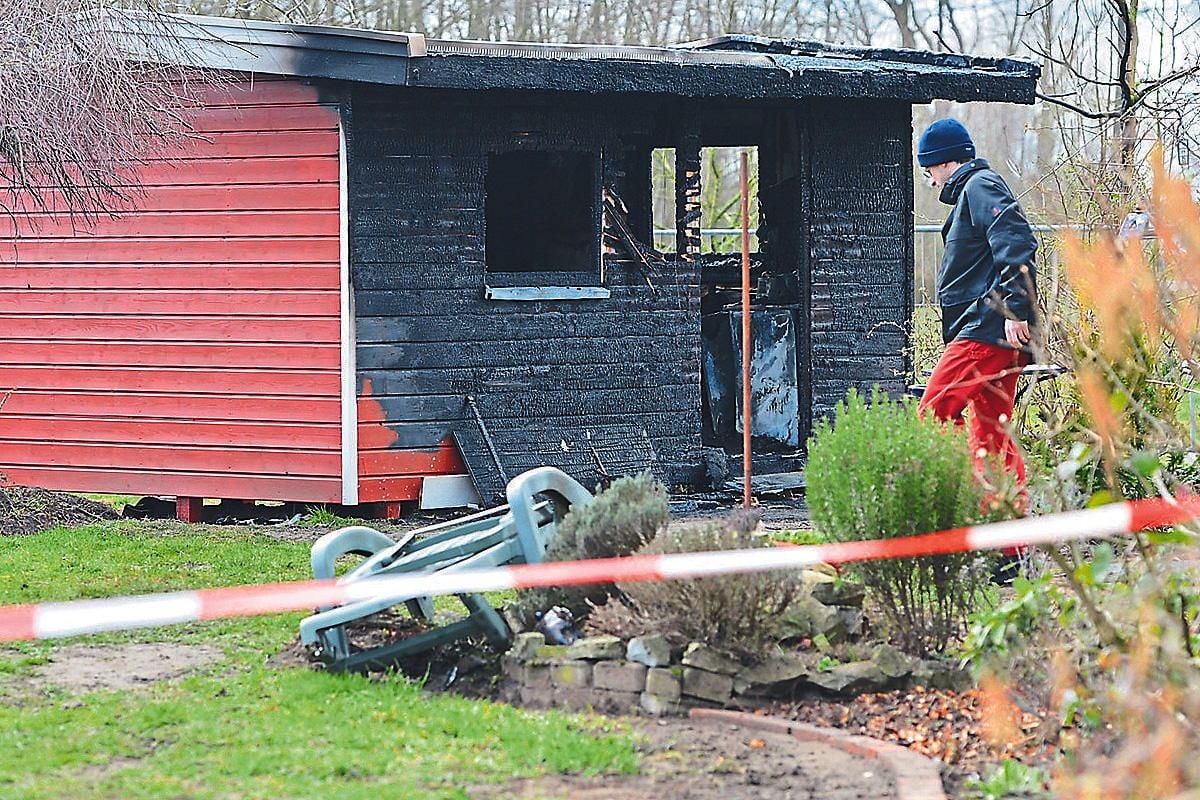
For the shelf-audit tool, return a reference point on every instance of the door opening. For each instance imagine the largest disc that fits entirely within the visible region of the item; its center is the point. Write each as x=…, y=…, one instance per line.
x=779, y=422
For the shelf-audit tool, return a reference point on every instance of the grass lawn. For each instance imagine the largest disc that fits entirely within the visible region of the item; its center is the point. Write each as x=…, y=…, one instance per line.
x=239, y=728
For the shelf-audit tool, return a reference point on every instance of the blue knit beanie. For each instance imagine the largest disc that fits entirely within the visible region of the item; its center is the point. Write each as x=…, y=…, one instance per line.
x=945, y=140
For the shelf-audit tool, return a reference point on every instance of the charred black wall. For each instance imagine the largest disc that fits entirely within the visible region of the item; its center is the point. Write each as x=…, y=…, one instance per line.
x=606, y=385
x=860, y=154
x=588, y=385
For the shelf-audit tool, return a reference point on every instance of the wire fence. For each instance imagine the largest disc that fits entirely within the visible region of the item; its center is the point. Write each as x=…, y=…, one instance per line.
x=927, y=257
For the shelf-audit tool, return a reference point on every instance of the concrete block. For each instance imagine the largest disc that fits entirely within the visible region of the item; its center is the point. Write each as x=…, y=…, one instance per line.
x=526, y=645
x=574, y=698
x=536, y=676
x=573, y=674
x=656, y=706
x=938, y=675
x=701, y=656
x=892, y=662
x=780, y=669
x=855, y=677
x=839, y=593
x=810, y=617
x=619, y=676
x=652, y=650
x=552, y=652
x=615, y=702
x=706, y=685
x=663, y=683
x=596, y=648
x=511, y=667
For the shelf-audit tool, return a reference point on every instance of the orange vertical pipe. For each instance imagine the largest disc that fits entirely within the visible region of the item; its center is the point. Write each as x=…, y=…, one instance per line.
x=745, y=170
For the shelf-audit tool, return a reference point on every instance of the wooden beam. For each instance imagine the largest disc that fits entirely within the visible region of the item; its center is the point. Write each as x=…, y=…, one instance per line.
x=687, y=196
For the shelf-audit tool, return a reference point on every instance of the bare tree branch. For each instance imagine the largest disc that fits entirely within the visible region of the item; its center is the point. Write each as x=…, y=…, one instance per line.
x=1068, y=66
x=76, y=116
x=1169, y=78
x=1035, y=10
x=1083, y=112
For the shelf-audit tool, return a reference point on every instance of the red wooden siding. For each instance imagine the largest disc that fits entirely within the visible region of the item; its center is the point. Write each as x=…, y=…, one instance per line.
x=192, y=346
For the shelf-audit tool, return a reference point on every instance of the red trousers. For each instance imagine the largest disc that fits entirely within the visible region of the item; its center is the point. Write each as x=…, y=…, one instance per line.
x=981, y=377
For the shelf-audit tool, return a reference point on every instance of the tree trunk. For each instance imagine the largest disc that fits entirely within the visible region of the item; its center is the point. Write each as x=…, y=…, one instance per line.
x=902, y=12
x=1125, y=133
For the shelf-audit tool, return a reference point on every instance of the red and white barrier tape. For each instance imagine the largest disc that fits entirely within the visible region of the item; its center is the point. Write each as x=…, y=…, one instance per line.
x=52, y=620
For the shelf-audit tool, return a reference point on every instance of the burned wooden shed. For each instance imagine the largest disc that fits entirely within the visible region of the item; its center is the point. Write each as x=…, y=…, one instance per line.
x=389, y=268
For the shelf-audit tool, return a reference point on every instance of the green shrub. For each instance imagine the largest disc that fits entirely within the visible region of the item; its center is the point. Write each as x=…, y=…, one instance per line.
x=620, y=519
x=998, y=631
x=1010, y=779
x=883, y=472
x=736, y=613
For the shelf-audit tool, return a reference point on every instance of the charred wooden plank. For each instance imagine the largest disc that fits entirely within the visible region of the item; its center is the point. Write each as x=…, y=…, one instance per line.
x=526, y=378
x=453, y=302
x=552, y=351
x=549, y=325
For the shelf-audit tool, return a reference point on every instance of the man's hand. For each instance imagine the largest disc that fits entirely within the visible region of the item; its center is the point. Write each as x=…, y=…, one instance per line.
x=1016, y=332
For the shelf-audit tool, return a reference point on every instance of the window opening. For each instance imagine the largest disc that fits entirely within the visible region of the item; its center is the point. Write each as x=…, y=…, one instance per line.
x=541, y=210
x=662, y=198
x=720, y=199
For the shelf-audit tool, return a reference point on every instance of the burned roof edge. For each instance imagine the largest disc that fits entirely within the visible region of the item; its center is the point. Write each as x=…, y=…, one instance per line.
x=750, y=43
x=733, y=66
x=775, y=79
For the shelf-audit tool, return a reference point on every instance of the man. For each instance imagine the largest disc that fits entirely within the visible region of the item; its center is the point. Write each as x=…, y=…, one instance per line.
x=987, y=291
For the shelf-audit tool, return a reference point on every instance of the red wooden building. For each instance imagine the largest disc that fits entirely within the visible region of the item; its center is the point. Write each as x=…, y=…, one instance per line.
x=200, y=345
x=389, y=270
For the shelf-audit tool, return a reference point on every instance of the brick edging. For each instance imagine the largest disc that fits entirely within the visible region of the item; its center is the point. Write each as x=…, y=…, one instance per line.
x=917, y=777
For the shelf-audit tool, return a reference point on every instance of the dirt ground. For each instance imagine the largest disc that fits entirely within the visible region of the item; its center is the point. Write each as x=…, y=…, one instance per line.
x=717, y=761
x=952, y=727
x=25, y=510
x=79, y=668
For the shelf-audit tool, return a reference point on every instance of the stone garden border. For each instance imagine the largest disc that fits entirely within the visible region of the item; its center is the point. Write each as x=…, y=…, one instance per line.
x=646, y=675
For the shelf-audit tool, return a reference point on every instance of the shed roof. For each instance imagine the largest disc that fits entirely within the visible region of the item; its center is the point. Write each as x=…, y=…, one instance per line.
x=735, y=66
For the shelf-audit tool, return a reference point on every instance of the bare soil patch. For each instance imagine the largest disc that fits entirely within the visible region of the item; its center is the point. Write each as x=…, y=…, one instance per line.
x=25, y=510
x=716, y=761
x=80, y=668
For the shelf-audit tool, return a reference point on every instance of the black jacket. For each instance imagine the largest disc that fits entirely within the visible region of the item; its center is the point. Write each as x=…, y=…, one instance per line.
x=983, y=279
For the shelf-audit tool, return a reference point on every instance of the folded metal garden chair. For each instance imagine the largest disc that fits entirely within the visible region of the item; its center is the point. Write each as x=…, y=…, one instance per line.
x=516, y=533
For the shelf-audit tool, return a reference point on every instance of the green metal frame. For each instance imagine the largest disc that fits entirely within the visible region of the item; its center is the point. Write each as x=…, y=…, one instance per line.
x=516, y=533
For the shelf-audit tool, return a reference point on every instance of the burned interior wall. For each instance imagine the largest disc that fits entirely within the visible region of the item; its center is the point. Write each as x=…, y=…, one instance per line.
x=861, y=247
x=593, y=385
